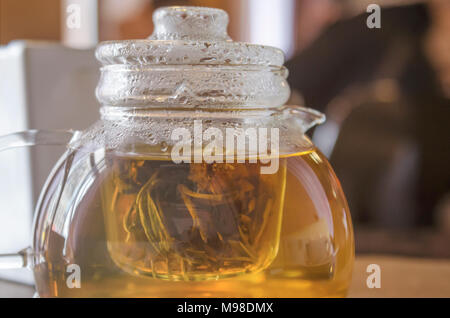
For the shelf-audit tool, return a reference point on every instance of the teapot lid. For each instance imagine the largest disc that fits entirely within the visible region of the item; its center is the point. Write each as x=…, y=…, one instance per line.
x=188, y=65
x=188, y=36
x=191, y=62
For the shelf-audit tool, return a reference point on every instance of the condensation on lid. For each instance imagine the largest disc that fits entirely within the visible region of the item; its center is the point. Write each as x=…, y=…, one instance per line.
x=188, y=36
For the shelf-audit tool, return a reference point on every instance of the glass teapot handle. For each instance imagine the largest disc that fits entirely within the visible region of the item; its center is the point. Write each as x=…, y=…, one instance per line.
x=23, y=139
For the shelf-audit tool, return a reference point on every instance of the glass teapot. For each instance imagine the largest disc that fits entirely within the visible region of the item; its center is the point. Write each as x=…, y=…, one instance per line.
x=197, y=181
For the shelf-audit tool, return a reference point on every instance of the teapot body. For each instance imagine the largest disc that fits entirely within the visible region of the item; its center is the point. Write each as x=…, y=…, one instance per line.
x=132, y=221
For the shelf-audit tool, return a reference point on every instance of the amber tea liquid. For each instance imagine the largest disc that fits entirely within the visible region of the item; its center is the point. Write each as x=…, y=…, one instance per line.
x=152, y=228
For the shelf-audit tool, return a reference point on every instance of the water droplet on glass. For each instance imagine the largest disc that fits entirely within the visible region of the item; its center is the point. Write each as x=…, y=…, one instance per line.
x=164, y=146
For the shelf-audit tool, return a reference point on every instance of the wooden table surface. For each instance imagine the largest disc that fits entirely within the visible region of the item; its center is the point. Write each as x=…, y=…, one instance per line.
x=400, y=277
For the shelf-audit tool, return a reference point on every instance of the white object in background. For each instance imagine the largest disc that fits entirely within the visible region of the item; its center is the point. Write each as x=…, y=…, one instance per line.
x=42, y=86
x=272, y=23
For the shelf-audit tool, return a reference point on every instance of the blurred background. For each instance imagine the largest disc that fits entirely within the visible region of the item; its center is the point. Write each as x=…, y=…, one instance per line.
x=386, y=94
